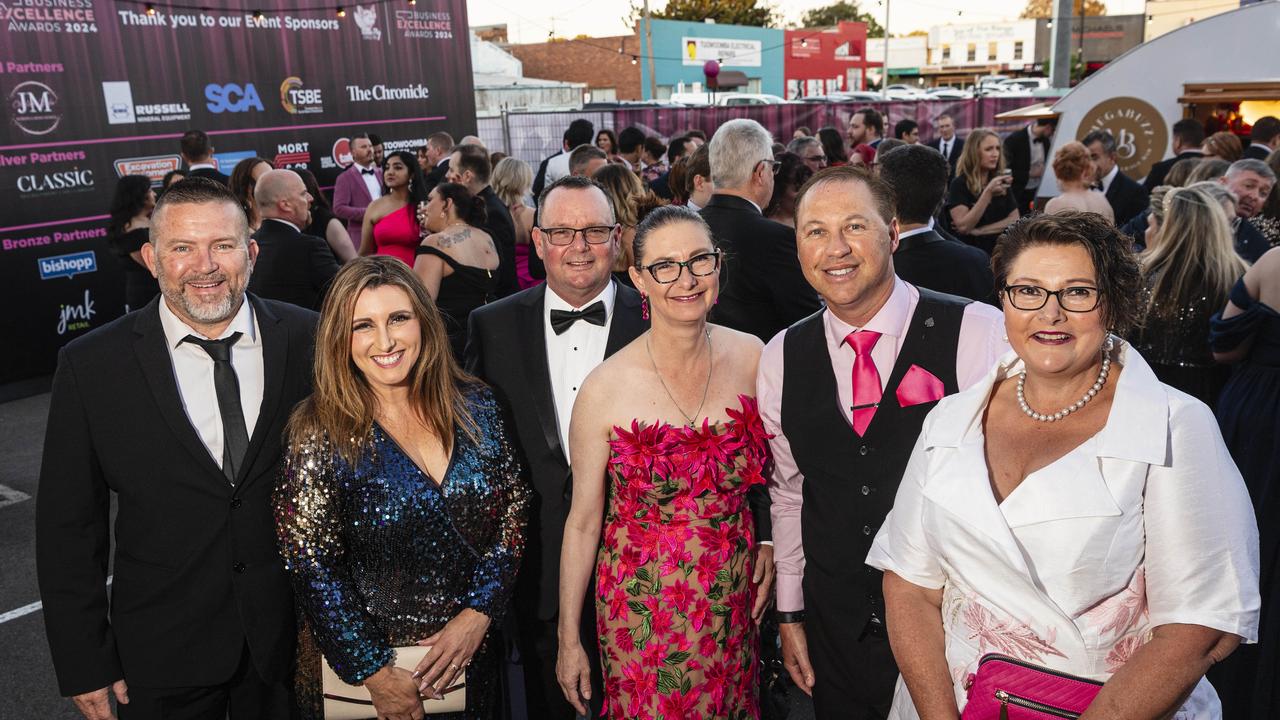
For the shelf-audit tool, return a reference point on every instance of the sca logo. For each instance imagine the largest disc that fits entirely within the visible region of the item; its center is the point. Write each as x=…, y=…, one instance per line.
x=35, y=108
x=231, y=98
x=76, y=316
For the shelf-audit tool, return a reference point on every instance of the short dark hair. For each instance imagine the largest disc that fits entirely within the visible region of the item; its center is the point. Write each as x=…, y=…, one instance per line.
x=583, y=154
x=195, y=144
x=440, y=141
x=629, y=139
x=1265, y=130
x=169, y=179
x=677, y=148
x=880, y=192
x=474, y=158
x=580, y=132
x=195, y=191
x=573, y=182
x=791, y=174
x=662, y=217
x=904, y=127
x=361, y=136
x=833, y=145
x=872, y=117
x=1114, y=264
x=696, y=133
x=1189, y=131
x=655, y=147
x=375, y=139
x=917, y=174
x=471, y=209
x=1101, y=136
x=698, y=163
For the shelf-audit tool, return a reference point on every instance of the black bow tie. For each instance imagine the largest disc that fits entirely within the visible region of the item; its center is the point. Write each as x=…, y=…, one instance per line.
x=562, y=320
x=364, y=171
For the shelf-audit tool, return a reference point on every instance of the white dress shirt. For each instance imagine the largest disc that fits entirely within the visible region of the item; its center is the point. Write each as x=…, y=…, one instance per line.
x=557, y=167
x=200, y=166
x=193, y=369
x=944, y=147
x=573, y=355
x=1109, y=177
x=371, y=181
x=1147, y=523
x=918, y=231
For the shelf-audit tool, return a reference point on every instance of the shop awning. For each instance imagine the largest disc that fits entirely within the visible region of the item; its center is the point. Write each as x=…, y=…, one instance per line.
x=1229, y=92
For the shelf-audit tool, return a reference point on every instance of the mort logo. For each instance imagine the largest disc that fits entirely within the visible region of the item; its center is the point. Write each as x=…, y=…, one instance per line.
x=291, y=155
x=35, y=108
x=342, y=153
x=154, y=167
x=68, y=266
x=232, y=97
x=298, y=100
x=62, y=182
x=366, y=20
x=1139, y=130
x=77, y=316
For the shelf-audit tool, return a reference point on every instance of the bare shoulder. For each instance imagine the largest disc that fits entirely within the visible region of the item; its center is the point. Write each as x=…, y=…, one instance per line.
x=736, y=340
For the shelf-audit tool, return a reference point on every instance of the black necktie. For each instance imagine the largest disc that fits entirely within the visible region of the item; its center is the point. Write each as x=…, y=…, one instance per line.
x=562, y=320
x=235, y=438
x=366, y=171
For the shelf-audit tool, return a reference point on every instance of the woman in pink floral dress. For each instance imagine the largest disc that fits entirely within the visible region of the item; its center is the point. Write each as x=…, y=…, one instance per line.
x=669, y=450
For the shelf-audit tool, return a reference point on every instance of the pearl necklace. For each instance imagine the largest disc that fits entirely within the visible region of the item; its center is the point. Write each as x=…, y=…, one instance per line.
x=1097, y=386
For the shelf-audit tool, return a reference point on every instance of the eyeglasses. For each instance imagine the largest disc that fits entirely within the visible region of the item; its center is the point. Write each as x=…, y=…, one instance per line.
x=1072, y=299
x=774, y=165
x=669, y=271
x=595, y=234
x=820, y=159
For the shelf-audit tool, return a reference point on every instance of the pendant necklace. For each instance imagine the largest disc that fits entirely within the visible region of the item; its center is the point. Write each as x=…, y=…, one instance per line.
x=689, y=421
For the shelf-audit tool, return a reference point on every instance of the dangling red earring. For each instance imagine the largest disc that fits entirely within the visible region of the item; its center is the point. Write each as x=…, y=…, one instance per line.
x=644, y=306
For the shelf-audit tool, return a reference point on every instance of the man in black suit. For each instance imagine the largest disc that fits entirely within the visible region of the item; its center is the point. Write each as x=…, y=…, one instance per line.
x=1188, y=136
x=292, y=267
x=918, y=177
x=948, y=143
x=553, y=167
x=178, y=409
x=1251, y=182
x=1026, y=153
x=1264, y=138
x=197, y=155
x=439, y=147
x=762, y=289
x=469, y=166
x=602, y=317
x=1126, y=196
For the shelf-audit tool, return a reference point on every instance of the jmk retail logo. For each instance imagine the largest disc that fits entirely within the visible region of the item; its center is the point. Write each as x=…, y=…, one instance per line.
x=35, y=108
x=72, y=317
x=68, y=266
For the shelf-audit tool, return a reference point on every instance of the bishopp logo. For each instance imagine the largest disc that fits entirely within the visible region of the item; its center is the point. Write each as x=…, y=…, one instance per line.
x=68, y=266
x=74, y=317
x=35, y=108
x=1139, y=129
x=231, y=97
x=366, y=20
x=297, y=100
x=292, y=155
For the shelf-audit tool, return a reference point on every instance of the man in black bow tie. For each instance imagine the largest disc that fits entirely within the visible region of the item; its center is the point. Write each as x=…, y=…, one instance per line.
x=535, y=348
x=357, y=186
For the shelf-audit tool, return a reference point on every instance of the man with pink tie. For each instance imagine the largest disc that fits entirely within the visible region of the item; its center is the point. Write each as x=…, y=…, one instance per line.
x=844, y=392
x=357, y=186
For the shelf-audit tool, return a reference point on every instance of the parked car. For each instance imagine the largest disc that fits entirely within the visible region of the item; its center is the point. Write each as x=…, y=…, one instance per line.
x=740, y=98
x=948, y=93
x=1027, y=84
x=845, y=96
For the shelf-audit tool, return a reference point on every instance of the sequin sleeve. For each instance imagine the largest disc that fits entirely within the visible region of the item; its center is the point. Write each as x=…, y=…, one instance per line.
x=499, y=561
x=309, y=508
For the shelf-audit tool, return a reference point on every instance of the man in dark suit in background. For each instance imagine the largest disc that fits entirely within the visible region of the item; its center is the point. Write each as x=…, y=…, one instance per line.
x=1026, y=153
x=197, y=154
x=948, y=143
x=762, y=289
x=1188, y=136
x=560, y=330
x=554, y=167
x=439, y=148
x=178, y=409
x=1264, y=138
x=469, y=166
x=918, y=177
x=1126, y=196
x=292, y=267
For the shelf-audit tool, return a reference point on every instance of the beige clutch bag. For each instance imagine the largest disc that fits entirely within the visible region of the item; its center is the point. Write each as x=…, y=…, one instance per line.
x=352, y=702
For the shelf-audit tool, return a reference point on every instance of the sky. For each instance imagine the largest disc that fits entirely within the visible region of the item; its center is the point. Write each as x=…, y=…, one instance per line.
x=533, y=21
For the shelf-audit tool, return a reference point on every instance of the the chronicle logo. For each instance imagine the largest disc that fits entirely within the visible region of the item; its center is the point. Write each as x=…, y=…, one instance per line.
x=299, y=100
x=35, y=108
x=68, y=266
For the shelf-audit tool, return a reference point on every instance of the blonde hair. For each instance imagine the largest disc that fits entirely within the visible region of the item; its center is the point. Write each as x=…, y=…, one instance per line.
x=342, y=404
x=511, y=179
x=970, y=165
x=1195, y=256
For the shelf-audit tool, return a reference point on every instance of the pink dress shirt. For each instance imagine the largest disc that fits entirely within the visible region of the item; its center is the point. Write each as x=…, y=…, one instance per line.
x=981, y=344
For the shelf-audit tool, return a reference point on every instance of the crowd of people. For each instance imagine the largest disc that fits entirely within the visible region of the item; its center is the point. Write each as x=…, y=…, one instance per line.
x=667, y=427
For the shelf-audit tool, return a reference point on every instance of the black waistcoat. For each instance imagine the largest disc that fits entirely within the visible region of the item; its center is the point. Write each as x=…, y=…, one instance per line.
x=850, y=481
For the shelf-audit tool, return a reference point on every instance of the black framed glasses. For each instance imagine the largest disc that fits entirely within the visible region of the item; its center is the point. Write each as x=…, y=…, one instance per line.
x=669, y=271
x=1078, y=299
x=595, y=234
x=774, y=165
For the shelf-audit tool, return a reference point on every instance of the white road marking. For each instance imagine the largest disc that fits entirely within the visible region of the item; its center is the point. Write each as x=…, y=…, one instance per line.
x=28, y=609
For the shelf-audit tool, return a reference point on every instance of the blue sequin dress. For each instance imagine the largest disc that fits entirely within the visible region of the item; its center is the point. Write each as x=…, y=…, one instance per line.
x=381, y=556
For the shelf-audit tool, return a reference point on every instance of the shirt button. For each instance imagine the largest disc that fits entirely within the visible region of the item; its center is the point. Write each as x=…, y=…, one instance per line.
x=864, y=450
x=236, y=503
x=866, y=490
x=238, y=567
x=866, y=529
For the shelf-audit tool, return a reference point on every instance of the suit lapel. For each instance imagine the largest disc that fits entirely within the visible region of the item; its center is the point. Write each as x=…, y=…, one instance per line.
x=627, y=324
x=275, y=359
x=537, y=371
x=363, y=189
x=150, y=345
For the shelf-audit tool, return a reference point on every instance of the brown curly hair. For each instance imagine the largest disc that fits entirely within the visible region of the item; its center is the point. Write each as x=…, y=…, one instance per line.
x=1072, y=164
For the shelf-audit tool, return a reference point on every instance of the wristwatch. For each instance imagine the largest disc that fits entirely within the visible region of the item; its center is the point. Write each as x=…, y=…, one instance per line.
x=795, y=616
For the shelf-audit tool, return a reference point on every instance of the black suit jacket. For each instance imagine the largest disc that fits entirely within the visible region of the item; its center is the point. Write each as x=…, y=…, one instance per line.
x=762, y=290
x=292, y=267
x=929, y=260
x=1251, y=244
x=1257, y=151
x=1127, y=198
x=197, y=570
x=211, y=174
x=540, y=177
x=953, y=159
x=1017, y=157
x=1155, y=176
x=436, y=175
x=502, y=229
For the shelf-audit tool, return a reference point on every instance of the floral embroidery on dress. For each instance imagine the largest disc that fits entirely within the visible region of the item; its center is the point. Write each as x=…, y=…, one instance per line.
x=1123, y=611
x=1007, y=636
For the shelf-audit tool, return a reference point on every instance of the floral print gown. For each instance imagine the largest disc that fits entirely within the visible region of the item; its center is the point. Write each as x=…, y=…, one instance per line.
x=673, y=575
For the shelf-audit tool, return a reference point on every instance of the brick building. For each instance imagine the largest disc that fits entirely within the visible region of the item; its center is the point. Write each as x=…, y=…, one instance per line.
x=603, y=63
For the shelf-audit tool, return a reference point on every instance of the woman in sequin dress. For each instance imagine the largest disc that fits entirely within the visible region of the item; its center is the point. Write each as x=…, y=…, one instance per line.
x=402, y=510
x=669, y=422
x=1189, y=271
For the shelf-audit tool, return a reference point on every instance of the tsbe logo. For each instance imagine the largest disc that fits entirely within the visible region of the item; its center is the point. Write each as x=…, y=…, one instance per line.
x=68, y=266
x=299, y=100
x=73, y=317
x=35, y=108
x=232, y=98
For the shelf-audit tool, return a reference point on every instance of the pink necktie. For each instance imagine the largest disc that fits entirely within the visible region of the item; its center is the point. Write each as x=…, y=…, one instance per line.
x=866, y=379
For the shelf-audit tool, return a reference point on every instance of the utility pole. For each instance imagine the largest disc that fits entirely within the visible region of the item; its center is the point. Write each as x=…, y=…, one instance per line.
x=884, y=70
x=1060, y=44
x=648, y=43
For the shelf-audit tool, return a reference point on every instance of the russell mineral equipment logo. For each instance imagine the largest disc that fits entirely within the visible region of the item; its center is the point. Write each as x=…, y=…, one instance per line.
x=34, y=108
x=121, y=110
x=299, y=100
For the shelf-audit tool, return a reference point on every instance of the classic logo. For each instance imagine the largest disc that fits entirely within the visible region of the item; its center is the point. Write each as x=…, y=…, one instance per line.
x=77, y=316
x=231, y=97
x=55, y=183
x=291, y=155
x=154, y=167
x=366, y=19
x=297, y=100
x=35, y=108
x=118, y=96
x=68, y=266
x=1139, y=129
x=342, y=153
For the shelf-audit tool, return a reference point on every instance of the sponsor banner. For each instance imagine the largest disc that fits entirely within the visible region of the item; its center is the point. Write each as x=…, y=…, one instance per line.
x=379, y=93
x=56, y=182
x=232, y=97
x=299, y=100
x=226, y=162
x=154, y=167
x=30, y=68
x=734, y=53
x=292, y=155
x=424, y=24
x=121, y=110
x=366, y=18
x=68, y=266
x=49, y=17
x=34, y=108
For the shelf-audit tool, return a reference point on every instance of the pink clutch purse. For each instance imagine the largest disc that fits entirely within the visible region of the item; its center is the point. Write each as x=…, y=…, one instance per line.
x=1009, y=689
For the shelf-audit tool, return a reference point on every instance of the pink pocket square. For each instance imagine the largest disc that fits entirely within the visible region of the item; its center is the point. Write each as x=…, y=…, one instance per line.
x=919, y=386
